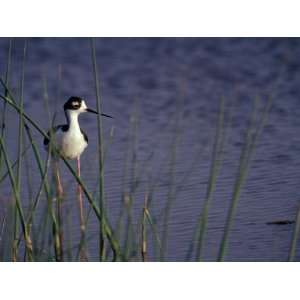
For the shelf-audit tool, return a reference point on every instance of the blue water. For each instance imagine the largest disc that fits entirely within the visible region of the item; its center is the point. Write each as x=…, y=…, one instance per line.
x=153, y=79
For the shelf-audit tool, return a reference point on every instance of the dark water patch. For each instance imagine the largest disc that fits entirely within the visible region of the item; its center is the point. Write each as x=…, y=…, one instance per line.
x=281, y=222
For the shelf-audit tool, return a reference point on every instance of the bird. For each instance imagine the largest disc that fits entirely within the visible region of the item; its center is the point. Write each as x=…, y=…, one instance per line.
x=70, y=141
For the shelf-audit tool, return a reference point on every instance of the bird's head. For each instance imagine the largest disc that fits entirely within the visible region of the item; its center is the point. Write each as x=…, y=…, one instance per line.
x=76, y=105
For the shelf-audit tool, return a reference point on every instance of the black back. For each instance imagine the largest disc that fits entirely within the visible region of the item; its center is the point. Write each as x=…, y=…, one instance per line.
x=54, y=130
x=85, y=136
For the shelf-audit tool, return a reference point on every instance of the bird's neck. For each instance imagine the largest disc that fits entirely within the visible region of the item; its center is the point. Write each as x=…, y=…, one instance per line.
x=72, y=118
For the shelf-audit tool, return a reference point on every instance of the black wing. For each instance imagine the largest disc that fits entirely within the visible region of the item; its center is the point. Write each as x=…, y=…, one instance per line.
x=85, y=136
x=53, y=130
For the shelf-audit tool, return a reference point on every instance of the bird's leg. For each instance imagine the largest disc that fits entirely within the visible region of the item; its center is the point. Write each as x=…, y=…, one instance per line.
x=80, y=201
x=82, y=222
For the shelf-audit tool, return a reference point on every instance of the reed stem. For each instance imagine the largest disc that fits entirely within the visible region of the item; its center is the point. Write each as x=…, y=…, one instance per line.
x=102, y=250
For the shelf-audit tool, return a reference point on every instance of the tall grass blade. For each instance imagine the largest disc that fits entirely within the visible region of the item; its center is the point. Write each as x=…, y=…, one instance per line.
x=214, y=170
x=28, y=243
x=43, y=174
x=20, y=145
x=172, y=183
x=7, y=236
x=245, y=159
x=130, y=238
x=15, y=163
x=7, y=77
x=144, y=231
x=296, y=231
x=102, y=250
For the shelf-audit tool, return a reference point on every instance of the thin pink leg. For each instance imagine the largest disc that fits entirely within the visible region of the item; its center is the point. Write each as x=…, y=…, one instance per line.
x=83, y=256
x=80, y=201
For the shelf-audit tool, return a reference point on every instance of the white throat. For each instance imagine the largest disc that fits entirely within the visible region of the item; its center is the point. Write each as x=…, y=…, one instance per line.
x=72, y=118
x=72, y=142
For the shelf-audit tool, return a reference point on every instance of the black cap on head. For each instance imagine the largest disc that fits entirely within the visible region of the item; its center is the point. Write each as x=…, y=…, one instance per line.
x=73, y=103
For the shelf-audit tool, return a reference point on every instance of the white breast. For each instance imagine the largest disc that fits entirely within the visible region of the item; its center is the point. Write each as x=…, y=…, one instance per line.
x=71, y=143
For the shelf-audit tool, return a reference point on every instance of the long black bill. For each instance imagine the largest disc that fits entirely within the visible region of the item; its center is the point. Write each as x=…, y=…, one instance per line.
x=94, y=112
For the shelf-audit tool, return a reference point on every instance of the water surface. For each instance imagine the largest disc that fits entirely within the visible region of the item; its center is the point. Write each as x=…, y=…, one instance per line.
x=156, y=78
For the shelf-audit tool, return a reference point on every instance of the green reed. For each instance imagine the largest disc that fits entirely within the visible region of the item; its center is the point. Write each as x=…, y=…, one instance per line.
x=20, y=144
x=6, y=79
x=254, y=130
x=172, y=176
x=295, y=235
x=214, y=171
x=102, y=250
x=16, y=193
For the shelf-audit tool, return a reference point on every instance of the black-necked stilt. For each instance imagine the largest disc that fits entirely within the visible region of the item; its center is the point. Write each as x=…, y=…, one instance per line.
x=70, y=140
